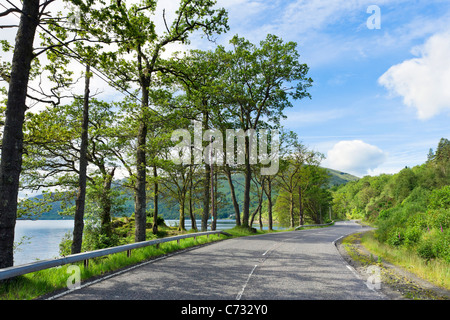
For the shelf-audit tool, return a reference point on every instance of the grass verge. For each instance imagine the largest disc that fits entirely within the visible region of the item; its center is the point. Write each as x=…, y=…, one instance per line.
x=435, y=271
x=34, y=285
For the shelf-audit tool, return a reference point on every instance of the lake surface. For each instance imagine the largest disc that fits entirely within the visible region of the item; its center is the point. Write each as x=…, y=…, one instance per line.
x=42, y=239
x=44, y=236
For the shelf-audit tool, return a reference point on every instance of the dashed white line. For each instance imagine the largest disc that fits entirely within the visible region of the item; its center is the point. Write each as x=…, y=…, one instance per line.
x=238, y=297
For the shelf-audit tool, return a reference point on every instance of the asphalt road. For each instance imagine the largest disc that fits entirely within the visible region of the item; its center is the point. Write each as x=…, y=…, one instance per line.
x=297, y=265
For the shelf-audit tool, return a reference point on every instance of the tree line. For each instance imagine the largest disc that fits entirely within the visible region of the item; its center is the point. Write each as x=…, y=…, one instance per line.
x=410, y=208
x=82, y=147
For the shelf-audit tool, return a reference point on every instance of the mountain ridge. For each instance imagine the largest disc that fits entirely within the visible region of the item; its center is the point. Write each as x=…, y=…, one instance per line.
x=170, y=211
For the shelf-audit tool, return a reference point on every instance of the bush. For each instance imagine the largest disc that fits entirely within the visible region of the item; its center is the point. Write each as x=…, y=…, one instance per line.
x=413, y=235
x=442, y=246
x=435, y=244
x=439, y=198
x=425, y=250
x=396, y=238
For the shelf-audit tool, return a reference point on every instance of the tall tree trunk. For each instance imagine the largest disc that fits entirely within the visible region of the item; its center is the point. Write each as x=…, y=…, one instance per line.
x=291, y=209
x=248, y=178
x=155, y=201
x=12, y=146
x=216, y=194
x=258, y=208
x=300, y=205
x=206, y=178
x=269, y=204
x=105, y=219
x=191, y=207
x=182, y=225
x=213, y=204
x=233, y=196
x=260, y=219
x=191, y=211
x=206, y=195
x=140, y=204
x=81, y=196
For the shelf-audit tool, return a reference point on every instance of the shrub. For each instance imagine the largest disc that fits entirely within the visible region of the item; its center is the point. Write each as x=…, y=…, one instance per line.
x=425, y=249
x=435, y=244
x=439, y=198
x=396, y=238
x=441, y=246
x=412, y=235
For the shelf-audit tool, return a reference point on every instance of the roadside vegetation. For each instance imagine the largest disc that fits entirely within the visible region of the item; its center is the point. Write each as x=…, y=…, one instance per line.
x=411, y=213
x=37, y=284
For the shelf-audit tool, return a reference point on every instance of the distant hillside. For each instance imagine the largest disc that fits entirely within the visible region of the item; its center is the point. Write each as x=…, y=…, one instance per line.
x=337, y=177
x=171, y=210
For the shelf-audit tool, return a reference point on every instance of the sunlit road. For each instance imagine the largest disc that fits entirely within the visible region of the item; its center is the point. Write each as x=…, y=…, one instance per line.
x=288, y=265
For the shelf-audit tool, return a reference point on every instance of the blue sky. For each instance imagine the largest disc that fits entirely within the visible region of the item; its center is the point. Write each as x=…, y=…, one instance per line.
x=381, y=97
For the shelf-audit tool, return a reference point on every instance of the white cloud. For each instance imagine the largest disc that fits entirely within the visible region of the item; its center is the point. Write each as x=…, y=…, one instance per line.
x=423, y=82
x=355, y=157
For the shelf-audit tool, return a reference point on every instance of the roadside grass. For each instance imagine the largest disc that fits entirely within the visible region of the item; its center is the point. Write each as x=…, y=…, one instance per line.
x=36, y=284
x=435, y=271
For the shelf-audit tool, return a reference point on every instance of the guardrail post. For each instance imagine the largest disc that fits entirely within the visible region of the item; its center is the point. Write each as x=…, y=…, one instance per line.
x=128, y=253
x=178, y=241
x=86, y=263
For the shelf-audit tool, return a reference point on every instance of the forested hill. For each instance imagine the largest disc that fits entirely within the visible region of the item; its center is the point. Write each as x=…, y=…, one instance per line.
x=338, y=178
x=169, y=210
x=411, y=208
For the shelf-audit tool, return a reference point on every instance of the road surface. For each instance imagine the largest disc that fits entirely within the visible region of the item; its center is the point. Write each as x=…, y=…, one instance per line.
x=297, y=265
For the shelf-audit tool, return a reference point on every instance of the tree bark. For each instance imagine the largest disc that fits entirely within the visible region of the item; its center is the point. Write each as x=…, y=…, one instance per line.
x=213, y=203
x=206, y=195
x=81, y=196
x=12, y=146
x=182, y=226
x=206, y=178
x=233, y=196
x=269, y=204
x=248, y=178
x=155, y=202
x=300, y=205
x=105, y=220
x=291, y=209
x=140, y=204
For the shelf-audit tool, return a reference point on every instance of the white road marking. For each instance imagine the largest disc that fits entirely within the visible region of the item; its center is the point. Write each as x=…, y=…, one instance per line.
x=238, y=297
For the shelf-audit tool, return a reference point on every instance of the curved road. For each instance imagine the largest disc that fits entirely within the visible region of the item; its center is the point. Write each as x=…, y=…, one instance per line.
x=278, y=266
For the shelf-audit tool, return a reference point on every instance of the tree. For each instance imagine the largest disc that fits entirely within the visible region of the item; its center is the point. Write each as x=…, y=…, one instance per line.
x=294, y=175
x=258, y=84
x=134, y=31
x=198, y=74
x=81, y=196
x=12, y=146
x=24, y=66
x=53, y=140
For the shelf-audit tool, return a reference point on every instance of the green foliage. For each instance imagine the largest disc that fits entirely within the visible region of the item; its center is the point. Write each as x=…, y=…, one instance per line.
x=440, y=198
x=411, y=209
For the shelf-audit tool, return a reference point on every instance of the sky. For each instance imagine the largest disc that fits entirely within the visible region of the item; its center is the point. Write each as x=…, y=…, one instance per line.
x=381, y=70
x=381, y=93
